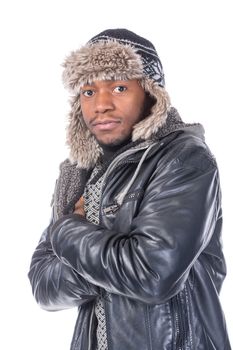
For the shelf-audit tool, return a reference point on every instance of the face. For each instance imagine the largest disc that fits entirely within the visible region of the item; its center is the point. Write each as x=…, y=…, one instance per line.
x=111, y=108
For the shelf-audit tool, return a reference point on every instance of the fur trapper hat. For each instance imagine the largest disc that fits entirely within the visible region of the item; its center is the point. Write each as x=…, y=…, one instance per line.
x=115, y=54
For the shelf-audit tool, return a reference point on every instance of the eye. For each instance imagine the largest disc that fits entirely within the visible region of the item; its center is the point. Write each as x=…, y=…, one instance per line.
x=119, y=89
x=88, y=93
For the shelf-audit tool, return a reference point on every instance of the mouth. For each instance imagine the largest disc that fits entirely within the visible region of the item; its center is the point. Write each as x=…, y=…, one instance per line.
x=105, y=125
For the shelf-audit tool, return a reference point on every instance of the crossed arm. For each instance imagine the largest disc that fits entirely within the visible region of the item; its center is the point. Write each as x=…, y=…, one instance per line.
x=75, y=259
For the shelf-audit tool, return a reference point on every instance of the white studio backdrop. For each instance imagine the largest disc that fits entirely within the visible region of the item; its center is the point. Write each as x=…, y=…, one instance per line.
x=193, y=40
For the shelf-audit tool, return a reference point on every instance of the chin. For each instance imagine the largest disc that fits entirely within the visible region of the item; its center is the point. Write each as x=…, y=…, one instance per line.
x=113, y=142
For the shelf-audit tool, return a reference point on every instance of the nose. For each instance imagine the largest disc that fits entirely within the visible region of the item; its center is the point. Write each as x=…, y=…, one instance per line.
x=103, y=102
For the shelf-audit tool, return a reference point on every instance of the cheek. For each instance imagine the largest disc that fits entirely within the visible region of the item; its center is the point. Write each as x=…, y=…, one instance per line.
x=85, y=113
x=134, y=111
x=84, y=117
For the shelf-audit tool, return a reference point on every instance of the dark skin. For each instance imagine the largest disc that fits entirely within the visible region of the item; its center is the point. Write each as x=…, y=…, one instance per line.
x=110, y=110
x=79, y=207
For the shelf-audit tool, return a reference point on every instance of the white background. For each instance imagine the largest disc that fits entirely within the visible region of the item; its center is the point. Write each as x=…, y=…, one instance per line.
x=194, y=42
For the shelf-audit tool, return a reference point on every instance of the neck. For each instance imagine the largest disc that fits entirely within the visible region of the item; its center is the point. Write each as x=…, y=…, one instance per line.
x=110, y=150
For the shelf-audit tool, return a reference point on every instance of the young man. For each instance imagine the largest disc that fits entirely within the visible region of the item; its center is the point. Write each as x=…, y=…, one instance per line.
x=134, y=240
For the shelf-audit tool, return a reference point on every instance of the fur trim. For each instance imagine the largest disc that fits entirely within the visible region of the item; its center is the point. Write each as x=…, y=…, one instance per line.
x=106, y=61
x=150, y=125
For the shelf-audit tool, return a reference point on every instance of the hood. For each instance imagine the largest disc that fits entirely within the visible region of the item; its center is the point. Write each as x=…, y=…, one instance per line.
x=107, y=60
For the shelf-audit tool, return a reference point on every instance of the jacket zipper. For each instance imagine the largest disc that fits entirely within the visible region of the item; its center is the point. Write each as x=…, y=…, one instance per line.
x=180, y=323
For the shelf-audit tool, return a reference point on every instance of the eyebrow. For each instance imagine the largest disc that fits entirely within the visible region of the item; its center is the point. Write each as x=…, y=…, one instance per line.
x=109, y=82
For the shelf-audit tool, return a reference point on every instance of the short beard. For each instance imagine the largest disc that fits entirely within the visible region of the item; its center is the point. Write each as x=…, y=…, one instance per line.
x=121, y=141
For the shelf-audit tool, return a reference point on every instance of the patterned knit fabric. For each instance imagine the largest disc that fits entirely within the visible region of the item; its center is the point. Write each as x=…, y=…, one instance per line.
x=92, y=197
x=91, y=206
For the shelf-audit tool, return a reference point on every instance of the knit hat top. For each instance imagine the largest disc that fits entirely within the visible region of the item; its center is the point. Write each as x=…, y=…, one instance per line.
x=152, y=66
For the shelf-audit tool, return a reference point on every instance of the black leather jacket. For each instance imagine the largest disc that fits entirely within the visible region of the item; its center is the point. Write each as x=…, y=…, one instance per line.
x=155, y=259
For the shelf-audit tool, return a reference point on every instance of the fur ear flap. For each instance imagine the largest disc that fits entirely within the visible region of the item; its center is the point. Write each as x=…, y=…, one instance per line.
x=150, y=125
x=84, y=149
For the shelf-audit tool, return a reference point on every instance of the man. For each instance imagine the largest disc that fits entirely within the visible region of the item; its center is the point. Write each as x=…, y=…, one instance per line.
x=134, y=240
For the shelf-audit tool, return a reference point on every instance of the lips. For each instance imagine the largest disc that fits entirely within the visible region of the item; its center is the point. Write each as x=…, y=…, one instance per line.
x=105, y=125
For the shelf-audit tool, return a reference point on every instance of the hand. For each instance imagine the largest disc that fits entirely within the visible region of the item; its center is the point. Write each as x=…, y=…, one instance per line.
x=79, y=207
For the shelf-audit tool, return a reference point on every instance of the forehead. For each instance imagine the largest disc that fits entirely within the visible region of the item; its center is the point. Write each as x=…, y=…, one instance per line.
x=108, y=83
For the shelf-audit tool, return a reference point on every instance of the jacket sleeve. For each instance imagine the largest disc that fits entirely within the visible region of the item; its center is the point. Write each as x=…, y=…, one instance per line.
x=175, y=222
x=55, y=285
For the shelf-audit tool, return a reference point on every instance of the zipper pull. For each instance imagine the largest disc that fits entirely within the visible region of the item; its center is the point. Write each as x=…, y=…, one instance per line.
x=111, y=209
